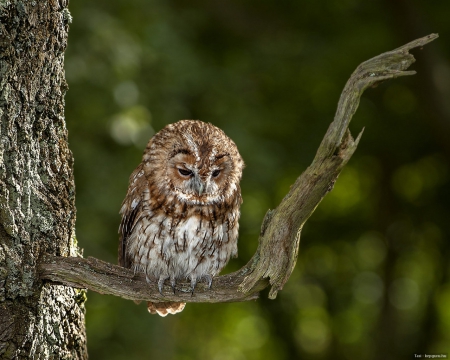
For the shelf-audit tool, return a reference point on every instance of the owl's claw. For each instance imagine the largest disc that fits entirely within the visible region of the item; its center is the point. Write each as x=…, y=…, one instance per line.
x=161, y=281
x=172, y=284
x=193, y=284
x=208, y=279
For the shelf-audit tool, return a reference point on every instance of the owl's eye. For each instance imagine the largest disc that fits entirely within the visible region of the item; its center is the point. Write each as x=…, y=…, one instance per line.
x=185, y=172
x=215, y=173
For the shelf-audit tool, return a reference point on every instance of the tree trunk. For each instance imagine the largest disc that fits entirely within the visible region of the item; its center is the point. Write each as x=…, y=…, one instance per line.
x=37, y=207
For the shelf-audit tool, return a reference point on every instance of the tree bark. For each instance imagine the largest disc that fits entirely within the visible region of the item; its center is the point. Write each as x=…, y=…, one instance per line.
x=37, y=208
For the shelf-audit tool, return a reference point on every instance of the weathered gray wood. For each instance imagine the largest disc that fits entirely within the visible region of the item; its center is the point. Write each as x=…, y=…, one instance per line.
x=279, y=241
x=37, y=208
x=112, y=279
x=278, y=244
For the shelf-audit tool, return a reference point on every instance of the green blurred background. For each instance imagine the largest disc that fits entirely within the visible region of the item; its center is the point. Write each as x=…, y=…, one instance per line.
x=372, y=279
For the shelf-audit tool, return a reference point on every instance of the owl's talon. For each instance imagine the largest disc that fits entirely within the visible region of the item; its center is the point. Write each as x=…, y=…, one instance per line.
x=208, y=279
x=161, y=281
x=172, y=284
x=193, y=284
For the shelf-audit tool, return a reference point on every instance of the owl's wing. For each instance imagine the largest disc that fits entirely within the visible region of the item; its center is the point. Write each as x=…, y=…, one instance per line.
x=131, y=207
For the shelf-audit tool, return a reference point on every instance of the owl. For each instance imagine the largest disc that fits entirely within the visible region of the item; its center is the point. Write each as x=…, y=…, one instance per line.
x=180, y=215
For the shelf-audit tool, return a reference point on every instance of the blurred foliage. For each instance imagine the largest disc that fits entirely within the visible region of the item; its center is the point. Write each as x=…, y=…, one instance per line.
x=372, y=279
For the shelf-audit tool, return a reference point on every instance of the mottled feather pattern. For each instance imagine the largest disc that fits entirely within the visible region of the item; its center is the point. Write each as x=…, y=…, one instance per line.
x=180, y=216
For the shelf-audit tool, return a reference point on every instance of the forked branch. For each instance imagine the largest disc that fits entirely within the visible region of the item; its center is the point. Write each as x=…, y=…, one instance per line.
x=279, y=240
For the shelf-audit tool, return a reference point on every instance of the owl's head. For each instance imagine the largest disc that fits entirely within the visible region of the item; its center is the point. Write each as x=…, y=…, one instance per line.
x=194, y=161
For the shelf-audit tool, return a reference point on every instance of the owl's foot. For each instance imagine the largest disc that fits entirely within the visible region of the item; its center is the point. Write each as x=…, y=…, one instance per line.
x=173, y=282
x=208, y=280
x=193, y=284
x=194, y=279
x=161, y=281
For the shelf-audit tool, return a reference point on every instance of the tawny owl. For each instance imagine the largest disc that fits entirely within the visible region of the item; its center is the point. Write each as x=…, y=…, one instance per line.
x=180, y=215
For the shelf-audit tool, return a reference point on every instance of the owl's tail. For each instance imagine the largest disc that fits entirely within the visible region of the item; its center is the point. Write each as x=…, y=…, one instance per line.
x=164, y=308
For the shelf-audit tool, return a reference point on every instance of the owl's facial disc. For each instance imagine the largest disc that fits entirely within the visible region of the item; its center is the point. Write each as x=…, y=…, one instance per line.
x=199, y=180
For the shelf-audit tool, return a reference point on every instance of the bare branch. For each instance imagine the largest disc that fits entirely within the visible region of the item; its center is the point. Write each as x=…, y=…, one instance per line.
x=106, y=278
x=278, y=243
x=279, y=240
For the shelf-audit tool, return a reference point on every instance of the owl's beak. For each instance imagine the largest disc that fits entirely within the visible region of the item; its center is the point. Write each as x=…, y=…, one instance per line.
x=198, y=186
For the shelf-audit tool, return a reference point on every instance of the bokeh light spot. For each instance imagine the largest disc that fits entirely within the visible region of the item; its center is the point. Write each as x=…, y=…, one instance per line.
x=308, y=295
x=407, y=182
x=371, y=250
x=313, y=335
x=404, y=293
x=367, y=287
x=230, y=353
x=442, y=300
x=132, y=126
x=252, y=332
x=126, y=94
x=346, y=195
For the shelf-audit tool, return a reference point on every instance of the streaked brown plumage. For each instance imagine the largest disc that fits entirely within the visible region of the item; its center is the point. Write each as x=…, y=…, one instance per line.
x=180, y=215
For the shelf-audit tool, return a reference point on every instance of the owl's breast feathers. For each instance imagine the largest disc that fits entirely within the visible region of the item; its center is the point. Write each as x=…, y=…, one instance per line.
x=175, y=240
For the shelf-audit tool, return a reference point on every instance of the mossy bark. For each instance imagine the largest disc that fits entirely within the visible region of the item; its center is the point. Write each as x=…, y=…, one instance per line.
x=37, y=207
